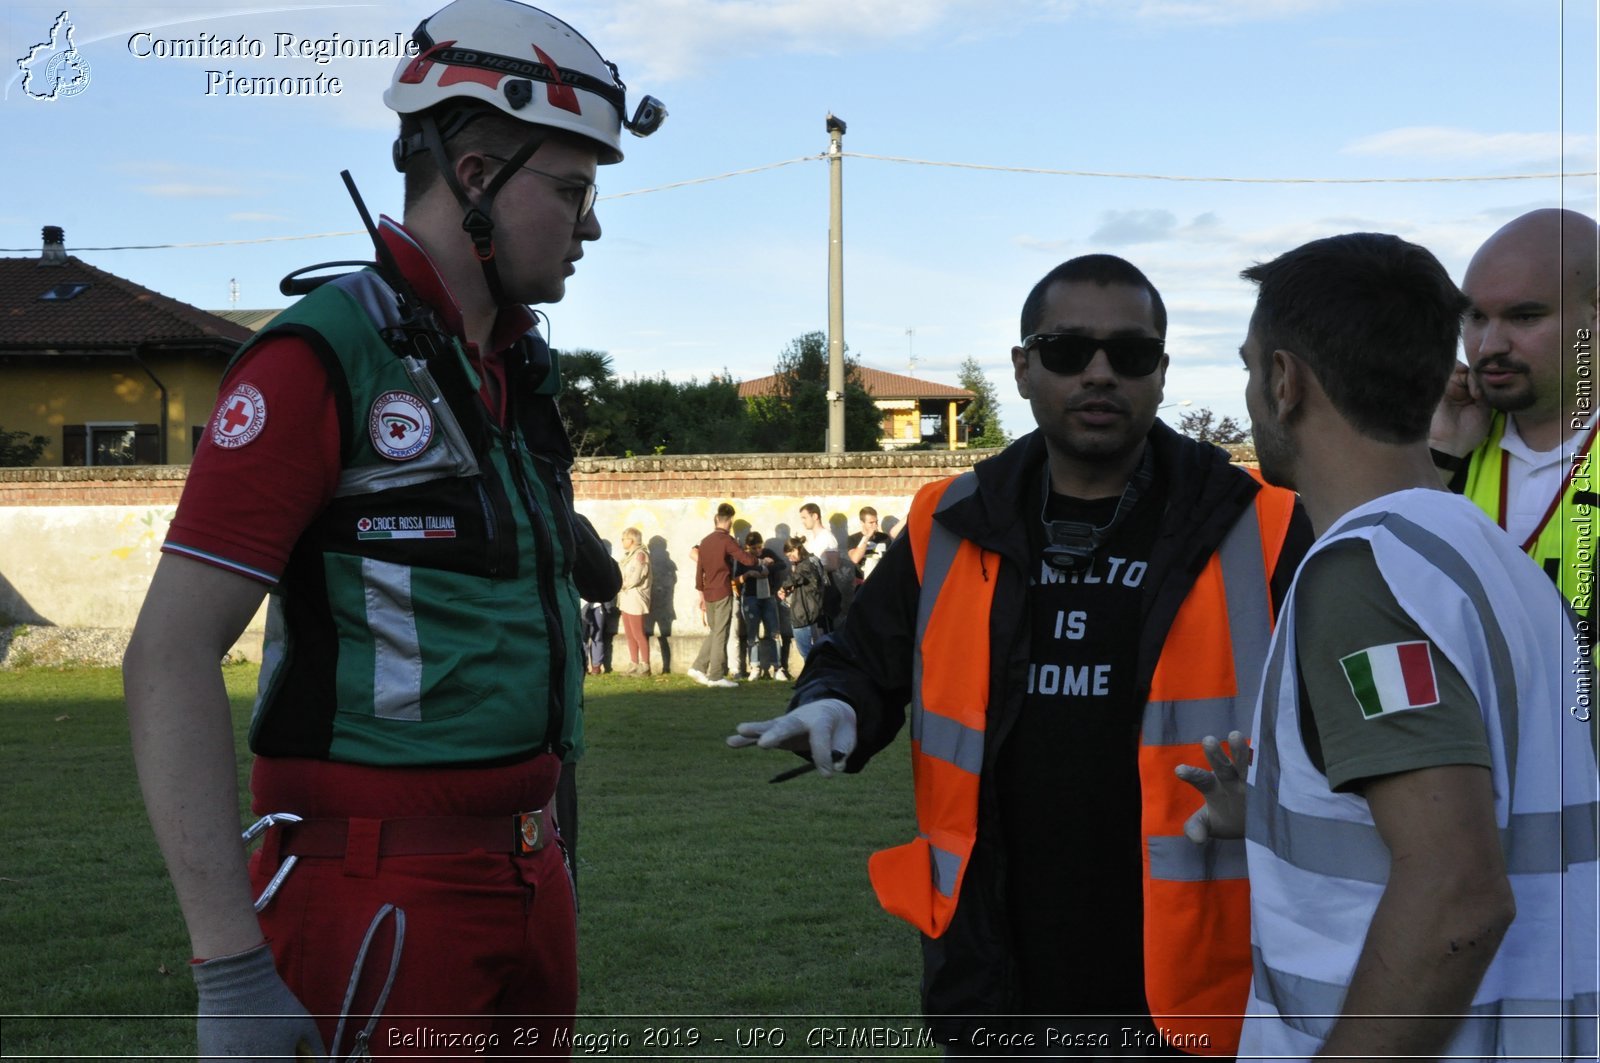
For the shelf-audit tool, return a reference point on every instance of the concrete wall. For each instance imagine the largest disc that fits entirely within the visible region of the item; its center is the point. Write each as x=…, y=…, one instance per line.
x=78, y=546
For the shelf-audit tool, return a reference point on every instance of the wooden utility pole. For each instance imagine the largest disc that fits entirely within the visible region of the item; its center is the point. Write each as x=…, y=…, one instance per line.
x=835, y=442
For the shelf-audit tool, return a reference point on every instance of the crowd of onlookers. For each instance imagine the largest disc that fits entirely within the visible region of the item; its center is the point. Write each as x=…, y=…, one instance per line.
x=771, y=599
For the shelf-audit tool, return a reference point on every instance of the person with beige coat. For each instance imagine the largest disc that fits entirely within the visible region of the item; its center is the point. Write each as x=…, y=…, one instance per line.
x=634, y=601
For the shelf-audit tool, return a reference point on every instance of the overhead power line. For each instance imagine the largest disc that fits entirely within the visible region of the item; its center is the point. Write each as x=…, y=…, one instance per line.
x=905, y=161
x=718, y=177
x=207, y=243
x=1221, y=180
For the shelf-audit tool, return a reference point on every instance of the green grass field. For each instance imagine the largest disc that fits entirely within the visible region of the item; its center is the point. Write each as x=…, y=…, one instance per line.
x=712, y=903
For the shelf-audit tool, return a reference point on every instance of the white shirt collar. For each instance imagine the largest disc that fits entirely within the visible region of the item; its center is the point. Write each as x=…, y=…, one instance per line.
x=1512, y=443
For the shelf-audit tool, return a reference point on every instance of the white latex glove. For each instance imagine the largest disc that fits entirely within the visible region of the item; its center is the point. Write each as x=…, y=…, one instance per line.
x=826, y=729
x=246, y=1011
x=1222, y=816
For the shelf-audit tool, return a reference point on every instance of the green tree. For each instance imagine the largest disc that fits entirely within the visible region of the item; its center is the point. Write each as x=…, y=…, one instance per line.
x=588, y=388
x=19, y=448
x=795, y=418
x=1203, y=425
x=654, y=415
x=982, y=415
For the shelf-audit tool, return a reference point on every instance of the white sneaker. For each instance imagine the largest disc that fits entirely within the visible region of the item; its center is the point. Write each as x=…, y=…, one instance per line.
x=783, y=674
x=699, y=677
x=724, y=683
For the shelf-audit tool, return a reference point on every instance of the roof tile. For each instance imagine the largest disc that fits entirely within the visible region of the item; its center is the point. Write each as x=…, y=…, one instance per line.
x=112, y=313
x=879, y=384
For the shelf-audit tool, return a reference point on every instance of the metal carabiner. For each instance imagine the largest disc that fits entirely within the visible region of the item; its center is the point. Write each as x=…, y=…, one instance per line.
x=256, y=829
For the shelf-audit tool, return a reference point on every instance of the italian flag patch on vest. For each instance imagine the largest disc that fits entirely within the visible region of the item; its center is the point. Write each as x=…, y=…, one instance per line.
x=1392, y=678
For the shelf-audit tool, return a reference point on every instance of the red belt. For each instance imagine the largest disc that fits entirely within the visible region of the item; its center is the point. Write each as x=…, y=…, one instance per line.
x=523, y=832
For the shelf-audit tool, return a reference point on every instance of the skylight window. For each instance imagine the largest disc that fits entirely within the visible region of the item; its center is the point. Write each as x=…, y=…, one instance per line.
x=62, y=292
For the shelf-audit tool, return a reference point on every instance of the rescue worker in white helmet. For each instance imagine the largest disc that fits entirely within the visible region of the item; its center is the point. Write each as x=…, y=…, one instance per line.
x=410, y=514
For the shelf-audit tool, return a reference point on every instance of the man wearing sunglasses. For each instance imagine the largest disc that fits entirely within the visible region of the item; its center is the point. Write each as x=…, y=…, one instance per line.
x=388, y=461
x=1060, y=625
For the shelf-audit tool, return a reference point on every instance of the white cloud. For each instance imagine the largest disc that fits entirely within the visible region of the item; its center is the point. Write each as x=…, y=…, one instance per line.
x=1224, y=11
x=1122, y=227
x=666, y=39
x=1449, y=142
x=191, y=191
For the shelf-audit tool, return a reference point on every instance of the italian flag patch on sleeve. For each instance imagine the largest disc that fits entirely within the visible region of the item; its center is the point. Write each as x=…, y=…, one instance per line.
x=1392, y=678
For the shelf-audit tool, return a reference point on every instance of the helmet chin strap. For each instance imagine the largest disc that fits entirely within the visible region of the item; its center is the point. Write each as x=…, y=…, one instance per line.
x=478, y=221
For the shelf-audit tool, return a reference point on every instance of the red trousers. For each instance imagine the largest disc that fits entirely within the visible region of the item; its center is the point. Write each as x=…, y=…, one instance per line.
x=489, y=961
x=638, y=648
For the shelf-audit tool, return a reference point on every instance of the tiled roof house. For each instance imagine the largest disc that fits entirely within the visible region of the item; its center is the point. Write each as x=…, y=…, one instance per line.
x=905, y=402
x=108, y=371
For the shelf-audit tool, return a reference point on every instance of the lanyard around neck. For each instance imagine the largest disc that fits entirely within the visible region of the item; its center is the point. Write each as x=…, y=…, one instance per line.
x=1555, y=503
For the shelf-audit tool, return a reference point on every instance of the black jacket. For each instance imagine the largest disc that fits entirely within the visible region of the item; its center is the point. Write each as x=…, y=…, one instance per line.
x=968, y=972
x=804, y=584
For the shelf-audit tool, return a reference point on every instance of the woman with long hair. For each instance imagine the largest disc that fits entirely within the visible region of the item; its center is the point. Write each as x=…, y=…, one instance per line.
x=802, y=589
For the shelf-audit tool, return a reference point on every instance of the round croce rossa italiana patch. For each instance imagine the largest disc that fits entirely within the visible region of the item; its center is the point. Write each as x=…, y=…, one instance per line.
x=401, y=425
x=240, y=417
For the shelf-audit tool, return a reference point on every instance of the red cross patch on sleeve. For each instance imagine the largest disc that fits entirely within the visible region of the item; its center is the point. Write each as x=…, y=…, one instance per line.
x=240, y=417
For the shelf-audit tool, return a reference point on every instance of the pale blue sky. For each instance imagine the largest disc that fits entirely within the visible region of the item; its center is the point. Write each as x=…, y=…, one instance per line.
x=692, y=280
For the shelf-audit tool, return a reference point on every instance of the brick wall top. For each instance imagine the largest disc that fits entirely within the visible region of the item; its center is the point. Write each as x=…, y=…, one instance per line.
x=124, y=485
x=884, y=473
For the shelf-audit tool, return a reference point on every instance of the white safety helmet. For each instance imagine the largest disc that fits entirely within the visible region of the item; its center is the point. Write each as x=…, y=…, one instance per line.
x=523, y=61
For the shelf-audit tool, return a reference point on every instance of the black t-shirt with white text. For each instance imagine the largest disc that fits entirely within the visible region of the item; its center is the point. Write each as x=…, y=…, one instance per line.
x=1068, y=775
x=876, y=545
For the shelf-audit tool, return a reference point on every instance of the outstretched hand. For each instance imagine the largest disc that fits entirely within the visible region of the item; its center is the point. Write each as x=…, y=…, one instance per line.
x=825, y=729
x=1222, y=816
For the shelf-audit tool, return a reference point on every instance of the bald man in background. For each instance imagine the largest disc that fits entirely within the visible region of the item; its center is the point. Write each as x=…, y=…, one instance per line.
x=1515, y=427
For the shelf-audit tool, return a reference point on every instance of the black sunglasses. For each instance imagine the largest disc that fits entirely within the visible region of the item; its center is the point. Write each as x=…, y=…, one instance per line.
x=1069, y=352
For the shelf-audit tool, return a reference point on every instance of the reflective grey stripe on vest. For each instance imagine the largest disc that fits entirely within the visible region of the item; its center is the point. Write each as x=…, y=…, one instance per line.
x=945, y=867
x=1249, y=620
x=939, y=736
x=943, y=544
x=1174, y=858
x=1516, y=1027
x=1544, y=842
x=273, y=648
x=396, y=649
x=1351, y=850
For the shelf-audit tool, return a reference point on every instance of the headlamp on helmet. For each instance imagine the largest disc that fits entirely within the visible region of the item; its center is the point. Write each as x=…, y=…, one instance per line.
x=526, y=63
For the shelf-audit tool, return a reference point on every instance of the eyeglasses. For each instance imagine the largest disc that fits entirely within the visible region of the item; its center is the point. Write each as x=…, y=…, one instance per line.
x=1069, y=352
x=587, y=188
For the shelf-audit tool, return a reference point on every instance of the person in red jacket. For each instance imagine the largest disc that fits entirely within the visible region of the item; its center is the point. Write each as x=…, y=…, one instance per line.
x=713, y=584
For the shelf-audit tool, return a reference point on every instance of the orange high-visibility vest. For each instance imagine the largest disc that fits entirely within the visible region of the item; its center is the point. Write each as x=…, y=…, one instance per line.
x=1196, y=898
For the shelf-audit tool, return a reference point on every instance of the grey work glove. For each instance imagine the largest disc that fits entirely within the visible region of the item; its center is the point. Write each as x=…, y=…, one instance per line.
x=1222, y=816
x=247, y=1012
x=825, y=729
